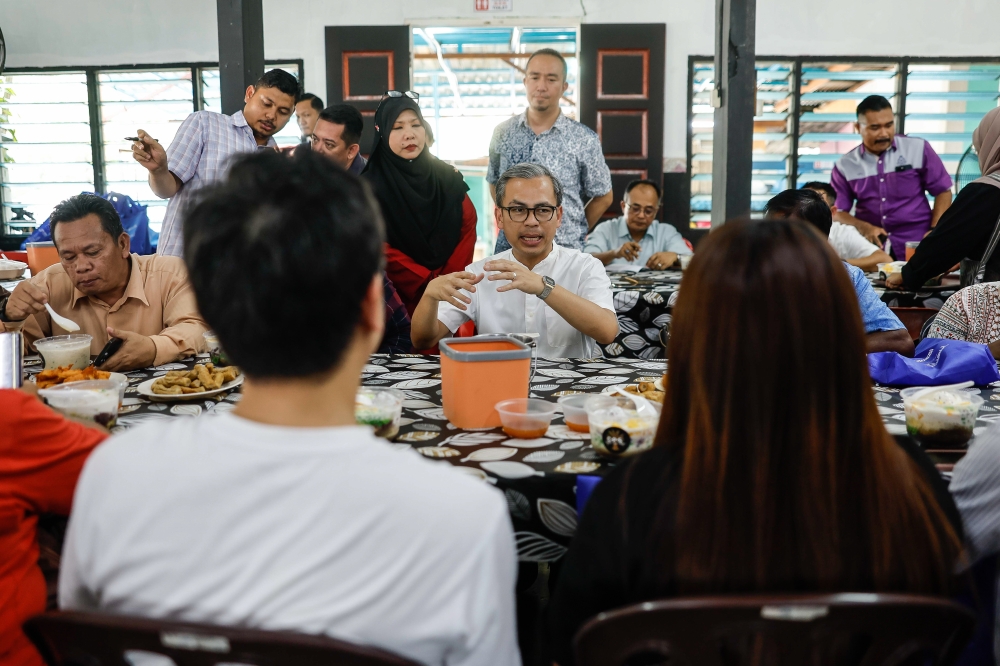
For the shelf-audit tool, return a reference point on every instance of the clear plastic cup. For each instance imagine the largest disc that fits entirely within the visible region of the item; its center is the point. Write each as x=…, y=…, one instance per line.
x=943, y=419
x=617, y=428
x=65, y=350
x=95, y=399
x=685, y=260
x=575, y=411
x=380, y=408
x=525, y=418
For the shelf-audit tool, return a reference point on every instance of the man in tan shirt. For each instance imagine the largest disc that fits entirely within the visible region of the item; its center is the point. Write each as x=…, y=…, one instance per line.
x=146, y=301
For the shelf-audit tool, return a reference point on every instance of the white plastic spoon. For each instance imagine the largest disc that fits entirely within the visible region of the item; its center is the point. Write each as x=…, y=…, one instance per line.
x=68, y=324
x=935, y=389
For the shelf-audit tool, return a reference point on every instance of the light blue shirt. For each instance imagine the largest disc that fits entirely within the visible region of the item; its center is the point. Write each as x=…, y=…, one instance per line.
x=612, y=234
x=875, y=314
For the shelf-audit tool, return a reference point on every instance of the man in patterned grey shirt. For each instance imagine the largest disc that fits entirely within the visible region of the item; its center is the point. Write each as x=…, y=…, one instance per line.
x=570, y=150
x=204, y=145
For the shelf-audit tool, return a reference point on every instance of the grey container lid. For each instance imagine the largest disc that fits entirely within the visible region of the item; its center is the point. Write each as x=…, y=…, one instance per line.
x=522, y=351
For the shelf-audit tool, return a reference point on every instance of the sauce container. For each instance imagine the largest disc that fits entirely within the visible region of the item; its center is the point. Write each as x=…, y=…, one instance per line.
x=525, y=418
x=575, y=411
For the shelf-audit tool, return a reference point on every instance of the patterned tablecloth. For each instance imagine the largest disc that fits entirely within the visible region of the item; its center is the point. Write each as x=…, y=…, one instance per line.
x=643, y=302
x=538, y=477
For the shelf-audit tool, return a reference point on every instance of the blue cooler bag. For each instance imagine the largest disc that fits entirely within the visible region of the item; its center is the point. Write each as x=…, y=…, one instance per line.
x=936, y=362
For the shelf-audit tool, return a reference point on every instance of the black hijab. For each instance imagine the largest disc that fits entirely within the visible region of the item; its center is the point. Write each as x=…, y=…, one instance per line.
x=421, y=199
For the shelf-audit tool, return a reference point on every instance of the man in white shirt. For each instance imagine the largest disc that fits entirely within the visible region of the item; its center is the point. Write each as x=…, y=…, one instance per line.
x=284, y=514
x=637, y=238
x=537, y=286
x=847, y=241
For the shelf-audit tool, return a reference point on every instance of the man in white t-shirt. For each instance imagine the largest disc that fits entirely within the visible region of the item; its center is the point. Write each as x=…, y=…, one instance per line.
x=560, y=294
x=847, y=241
x=284, y=514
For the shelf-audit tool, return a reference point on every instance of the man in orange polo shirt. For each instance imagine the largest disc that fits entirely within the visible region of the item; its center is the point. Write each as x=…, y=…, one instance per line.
x=108, y=291
x=41, y=455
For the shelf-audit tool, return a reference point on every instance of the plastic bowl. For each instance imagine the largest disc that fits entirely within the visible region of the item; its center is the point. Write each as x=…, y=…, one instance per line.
x=575, y=411
x=941, y=419
x=617, y=429
x=65, y=350
x=525, y=418
x=380, y=408
x=95, y=399
x=11, y=270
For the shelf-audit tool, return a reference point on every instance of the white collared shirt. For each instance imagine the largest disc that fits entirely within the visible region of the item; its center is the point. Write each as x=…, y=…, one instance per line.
x=517, y=312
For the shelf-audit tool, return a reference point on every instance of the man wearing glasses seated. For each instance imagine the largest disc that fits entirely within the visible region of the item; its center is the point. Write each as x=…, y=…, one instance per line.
x=637, y=238
x=537, y=286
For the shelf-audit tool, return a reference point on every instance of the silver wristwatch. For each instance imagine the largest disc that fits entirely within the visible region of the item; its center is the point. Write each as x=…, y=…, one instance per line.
x=550, y=284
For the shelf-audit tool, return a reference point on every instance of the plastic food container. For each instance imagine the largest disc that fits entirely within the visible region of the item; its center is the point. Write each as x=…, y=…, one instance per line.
x=95, y=399
x=941, y=419
x=685, y=260
x=575, y=411
x=380, y=408
x=887, y=269
x=41, y=256
x=11, y=270
x=214, y=348
x=617, y=428
x=479, y=372
x=525, y=418
x=65, y=350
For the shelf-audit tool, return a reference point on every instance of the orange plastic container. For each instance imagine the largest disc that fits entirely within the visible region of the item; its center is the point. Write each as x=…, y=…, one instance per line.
x=41, y=256
x=479, y=372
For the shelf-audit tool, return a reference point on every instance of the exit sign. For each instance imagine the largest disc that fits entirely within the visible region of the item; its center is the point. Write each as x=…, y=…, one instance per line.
x=494, y=5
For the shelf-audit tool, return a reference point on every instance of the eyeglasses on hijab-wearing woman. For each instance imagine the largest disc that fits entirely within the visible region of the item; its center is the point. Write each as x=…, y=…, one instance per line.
x=970, y=228
x=430, y=221
x=772, y=470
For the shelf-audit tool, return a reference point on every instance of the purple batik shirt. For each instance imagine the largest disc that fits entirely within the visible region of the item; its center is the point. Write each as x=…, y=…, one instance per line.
x=889, y=188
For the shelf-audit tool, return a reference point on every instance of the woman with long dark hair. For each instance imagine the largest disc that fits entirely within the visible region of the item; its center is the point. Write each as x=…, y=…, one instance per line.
x=430, y=221
x=772, y=470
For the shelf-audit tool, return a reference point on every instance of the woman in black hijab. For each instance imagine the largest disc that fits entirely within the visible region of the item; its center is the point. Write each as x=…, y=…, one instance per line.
x=430, y=220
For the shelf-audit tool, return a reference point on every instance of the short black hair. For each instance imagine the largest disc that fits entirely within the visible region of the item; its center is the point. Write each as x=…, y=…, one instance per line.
x=826, y=189
x=315, y=102
x=283, y=245
x=85, y=204
x=280, y=79
x=873, y=103
x=349, y=117
x=805, y=205
x=554, y=54
x=644, y=181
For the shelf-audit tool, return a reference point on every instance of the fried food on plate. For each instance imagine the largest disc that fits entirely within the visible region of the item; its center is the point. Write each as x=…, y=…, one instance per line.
x=200, y=379
x=65, y=374
x=647, y=390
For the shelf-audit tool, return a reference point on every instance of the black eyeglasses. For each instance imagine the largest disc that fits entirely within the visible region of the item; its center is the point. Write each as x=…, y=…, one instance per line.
x=520, y=213
x=396, y=93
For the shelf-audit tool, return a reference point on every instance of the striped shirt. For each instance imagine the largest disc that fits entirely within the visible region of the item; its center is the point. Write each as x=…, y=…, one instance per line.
x=199, y=155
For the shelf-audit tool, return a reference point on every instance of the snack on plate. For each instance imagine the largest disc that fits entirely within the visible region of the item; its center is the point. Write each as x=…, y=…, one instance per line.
x=65, y=374
x=198, y=380
x=647, y=390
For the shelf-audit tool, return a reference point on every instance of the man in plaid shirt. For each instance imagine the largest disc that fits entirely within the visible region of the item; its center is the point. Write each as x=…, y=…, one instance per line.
x=204, y=145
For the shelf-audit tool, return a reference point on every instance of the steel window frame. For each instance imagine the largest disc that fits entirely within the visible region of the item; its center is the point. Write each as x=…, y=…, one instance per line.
x=94, y=99
x=902, y=63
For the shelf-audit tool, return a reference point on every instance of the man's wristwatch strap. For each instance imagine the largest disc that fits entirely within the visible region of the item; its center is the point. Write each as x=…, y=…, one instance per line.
x=4, y=297
x=550, y=284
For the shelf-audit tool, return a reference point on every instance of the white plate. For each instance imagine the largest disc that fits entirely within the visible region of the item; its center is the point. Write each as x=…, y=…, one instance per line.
x=145, y=389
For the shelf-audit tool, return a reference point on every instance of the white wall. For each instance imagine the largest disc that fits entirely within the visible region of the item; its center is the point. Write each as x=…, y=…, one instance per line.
x=111, y=32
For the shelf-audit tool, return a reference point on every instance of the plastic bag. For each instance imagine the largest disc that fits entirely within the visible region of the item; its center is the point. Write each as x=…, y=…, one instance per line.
x=936, y=362
x=134, y=217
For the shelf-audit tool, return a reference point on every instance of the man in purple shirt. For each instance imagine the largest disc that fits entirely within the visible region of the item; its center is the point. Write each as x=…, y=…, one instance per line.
x=887, y=176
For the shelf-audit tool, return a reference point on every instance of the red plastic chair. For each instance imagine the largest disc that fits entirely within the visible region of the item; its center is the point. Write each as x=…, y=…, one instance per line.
x=96, y=639
x=780, y=630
